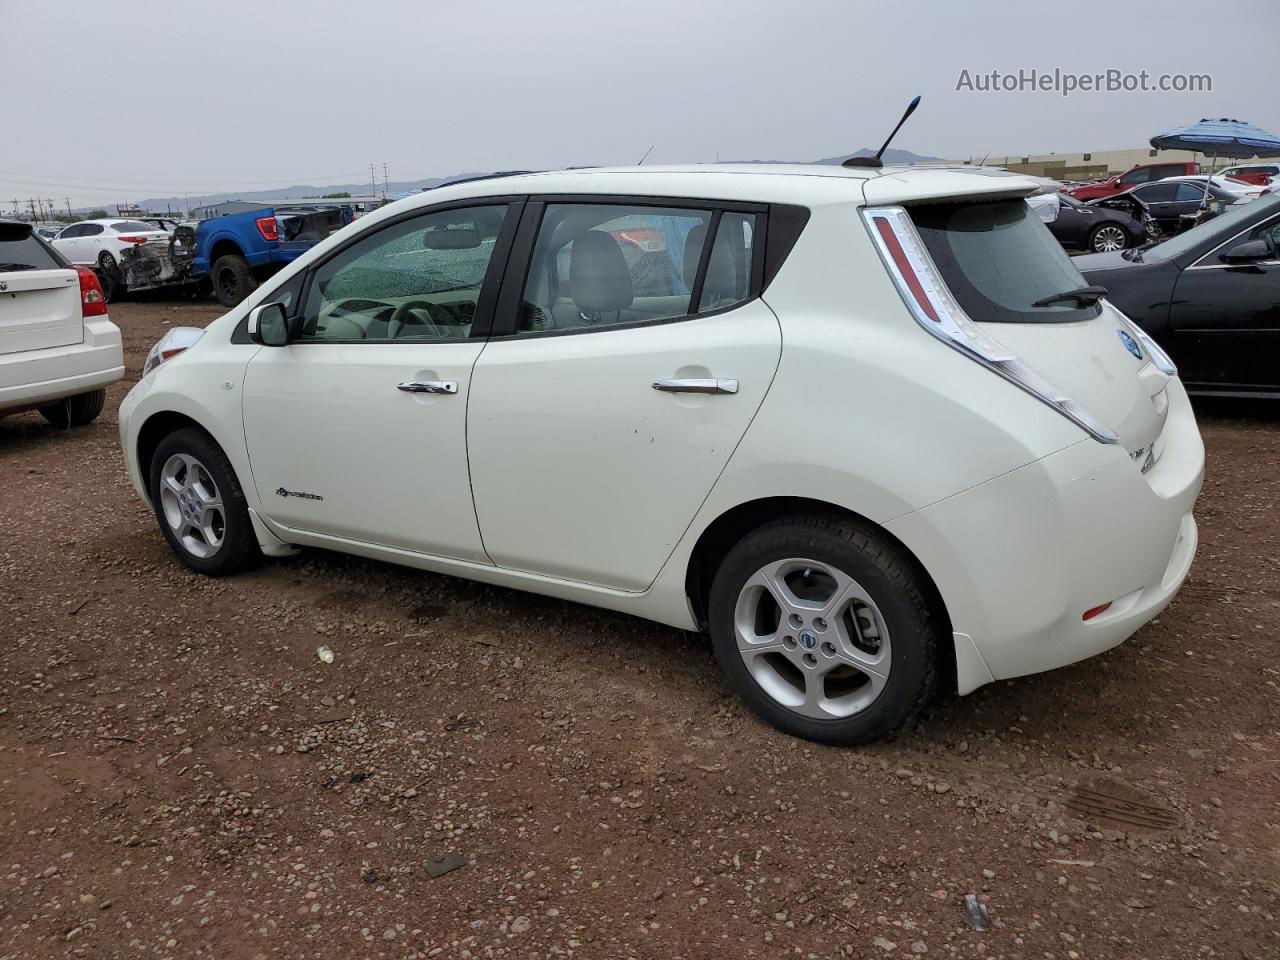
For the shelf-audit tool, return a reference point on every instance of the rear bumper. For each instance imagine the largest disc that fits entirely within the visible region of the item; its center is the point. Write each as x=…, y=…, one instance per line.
x=36, y=377
x=1019, y=559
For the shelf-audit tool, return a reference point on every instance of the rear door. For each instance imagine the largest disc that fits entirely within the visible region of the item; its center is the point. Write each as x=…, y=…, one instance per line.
x=39, y=295
x=1226, y=318
x=630, y=355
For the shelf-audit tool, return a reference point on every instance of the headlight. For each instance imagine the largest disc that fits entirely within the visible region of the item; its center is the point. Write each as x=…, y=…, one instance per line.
x=170, y=345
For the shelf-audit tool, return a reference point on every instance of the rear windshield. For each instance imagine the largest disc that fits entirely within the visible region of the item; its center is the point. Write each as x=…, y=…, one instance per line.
x=999, y=259
x=20, y=249
x=133, y=226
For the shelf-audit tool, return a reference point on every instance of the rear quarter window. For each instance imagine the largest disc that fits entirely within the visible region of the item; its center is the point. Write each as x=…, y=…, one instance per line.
x=998, y=259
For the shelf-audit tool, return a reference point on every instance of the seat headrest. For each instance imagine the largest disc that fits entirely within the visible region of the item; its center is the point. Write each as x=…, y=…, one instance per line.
x=722, y=273
x=599, y=279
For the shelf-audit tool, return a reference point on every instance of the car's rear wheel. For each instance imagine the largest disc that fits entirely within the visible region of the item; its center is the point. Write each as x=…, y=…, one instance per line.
x=824, y=629
x=200, y=505
x=232, y=279
x=75, y=411
x=1107, y=238
x=109, y=276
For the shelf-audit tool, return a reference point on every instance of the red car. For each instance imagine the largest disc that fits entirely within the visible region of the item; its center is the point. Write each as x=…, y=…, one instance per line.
x=1256, y=173
x=1143, y=173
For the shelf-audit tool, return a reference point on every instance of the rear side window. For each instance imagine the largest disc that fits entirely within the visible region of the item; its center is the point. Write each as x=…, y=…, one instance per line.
x=999, y=261
x=604, y=264
x=21, y=249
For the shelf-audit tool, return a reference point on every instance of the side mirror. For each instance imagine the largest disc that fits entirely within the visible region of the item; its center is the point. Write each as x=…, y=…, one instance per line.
x=1248, y=252
x=269, y=325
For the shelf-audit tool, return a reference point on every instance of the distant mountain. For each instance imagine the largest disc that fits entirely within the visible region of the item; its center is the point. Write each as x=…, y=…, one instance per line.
x=296, y=192
x=299, y=191
x=892, y=155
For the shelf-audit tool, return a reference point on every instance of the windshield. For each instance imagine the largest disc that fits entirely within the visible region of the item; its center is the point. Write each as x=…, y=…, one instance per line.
x=1213, y=231
x=1000, y=262
x=21, y=249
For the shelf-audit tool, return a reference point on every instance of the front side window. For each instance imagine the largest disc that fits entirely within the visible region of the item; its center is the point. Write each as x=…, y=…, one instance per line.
x=1218, y=230
x=605, y=264
x=1141, y=175
x=1000, y=262
x=415, y=280
x=1157, y=193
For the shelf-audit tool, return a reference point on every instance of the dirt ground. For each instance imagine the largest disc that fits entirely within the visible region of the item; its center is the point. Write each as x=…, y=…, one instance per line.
x=181, y=776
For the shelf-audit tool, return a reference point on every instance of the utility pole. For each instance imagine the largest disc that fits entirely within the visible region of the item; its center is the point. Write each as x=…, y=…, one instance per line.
x=385, y=188
x=373, y=182
x=68, y=201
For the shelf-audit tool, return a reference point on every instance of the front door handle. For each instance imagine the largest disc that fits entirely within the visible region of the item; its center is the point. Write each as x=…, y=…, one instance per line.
x=696, y=386
x=428, y=386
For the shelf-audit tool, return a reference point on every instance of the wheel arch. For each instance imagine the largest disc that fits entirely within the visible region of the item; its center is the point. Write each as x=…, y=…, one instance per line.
x=153, y=430
x=719, y=536
x=223, y=247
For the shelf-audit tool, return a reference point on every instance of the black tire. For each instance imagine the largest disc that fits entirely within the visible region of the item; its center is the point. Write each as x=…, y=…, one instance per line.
x=232, y=279
x=109, y=276
x=75, y=411
x=239, y=547
x=891, y=581
x=309, y=236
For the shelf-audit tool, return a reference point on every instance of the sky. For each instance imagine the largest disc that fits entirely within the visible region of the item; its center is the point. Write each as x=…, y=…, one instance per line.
x=107, y=102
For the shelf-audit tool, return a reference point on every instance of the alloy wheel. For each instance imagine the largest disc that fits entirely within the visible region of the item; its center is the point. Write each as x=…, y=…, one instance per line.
x=1108, y=240
x=812, y=638
x=192, y=505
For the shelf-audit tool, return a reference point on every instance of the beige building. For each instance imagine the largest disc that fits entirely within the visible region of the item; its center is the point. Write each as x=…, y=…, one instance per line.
x=1090, y=166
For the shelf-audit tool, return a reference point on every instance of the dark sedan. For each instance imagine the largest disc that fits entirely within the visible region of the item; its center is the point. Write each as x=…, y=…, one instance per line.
x=1084, y=226
x=1171, y=204
x=1209, y=296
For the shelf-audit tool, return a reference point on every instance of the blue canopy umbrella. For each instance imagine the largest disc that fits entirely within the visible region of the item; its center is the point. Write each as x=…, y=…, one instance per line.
x=1219, y=138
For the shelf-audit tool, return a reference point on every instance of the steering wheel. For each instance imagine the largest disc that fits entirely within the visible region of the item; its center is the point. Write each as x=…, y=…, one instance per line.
x=403, y=317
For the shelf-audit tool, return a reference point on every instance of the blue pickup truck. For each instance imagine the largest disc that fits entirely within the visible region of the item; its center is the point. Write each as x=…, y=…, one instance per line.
x=230, y=255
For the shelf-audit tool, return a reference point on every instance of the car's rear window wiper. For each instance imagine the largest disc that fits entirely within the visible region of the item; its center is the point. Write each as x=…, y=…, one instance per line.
x=1084, y=296
x=18, y=266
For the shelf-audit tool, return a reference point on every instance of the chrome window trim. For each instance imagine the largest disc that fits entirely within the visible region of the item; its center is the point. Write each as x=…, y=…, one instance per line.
x=1201, y=265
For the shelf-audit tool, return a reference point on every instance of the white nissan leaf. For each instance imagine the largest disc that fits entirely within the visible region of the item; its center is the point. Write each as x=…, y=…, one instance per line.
x=868, y=428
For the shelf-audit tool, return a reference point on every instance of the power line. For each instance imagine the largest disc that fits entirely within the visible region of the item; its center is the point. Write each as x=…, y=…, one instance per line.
x=108, y=182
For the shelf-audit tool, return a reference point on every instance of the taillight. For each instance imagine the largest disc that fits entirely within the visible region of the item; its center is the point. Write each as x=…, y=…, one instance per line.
x=132, y=239
x=267, y=227
x=935, y=309
x=93, y=302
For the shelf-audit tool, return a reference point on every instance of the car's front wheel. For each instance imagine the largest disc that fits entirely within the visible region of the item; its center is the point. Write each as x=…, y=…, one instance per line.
x=1107, y=238
x=200, y=505
x=824, y=629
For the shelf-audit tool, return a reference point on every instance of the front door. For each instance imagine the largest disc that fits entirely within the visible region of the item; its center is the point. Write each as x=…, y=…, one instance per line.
x=635, y=357
x=357, y=429
x=1225, y=318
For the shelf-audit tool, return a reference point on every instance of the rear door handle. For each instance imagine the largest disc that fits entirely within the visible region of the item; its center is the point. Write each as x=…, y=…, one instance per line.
x=696, y=386
x=428, y=386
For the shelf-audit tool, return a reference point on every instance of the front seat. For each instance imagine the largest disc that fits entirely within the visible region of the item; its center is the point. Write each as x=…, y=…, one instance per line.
x=721, y=283
x=599, y=278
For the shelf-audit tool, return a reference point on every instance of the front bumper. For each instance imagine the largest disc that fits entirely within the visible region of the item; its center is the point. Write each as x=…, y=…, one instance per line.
x=32, y=378
x=1019, y=559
